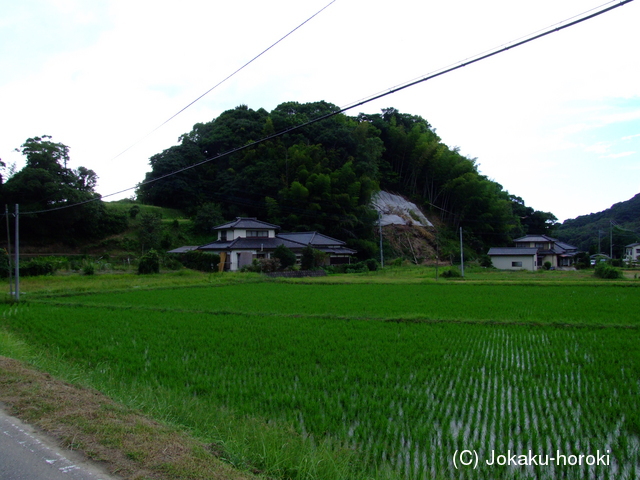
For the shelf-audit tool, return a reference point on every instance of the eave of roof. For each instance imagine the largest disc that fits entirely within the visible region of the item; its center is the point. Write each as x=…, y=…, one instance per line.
x=186, y=248
x=252, y=243
x=247, y=222
x=311, y=238
x=535, y=238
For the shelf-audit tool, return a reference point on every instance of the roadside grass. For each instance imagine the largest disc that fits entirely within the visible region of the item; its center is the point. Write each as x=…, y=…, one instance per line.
x=120, y=438
x=139, y=431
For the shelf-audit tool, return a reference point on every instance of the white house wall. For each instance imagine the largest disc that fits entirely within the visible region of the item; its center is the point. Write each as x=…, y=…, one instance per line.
x=505, y=262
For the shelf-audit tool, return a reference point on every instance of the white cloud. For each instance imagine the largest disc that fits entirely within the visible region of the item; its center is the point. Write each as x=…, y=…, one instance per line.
x=532, y=107
x=600, y=147
x=619, y=155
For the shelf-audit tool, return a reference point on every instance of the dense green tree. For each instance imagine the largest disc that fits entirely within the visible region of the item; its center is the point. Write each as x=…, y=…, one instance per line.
x=285, y=255
x=67, y=206
x=321, y=176
x=207, y=217
x=150, y=231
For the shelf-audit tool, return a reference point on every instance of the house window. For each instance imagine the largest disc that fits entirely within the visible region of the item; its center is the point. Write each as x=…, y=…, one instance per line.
x=516, y=264
x=223, y=235
x=541, y=245
x=257, y=233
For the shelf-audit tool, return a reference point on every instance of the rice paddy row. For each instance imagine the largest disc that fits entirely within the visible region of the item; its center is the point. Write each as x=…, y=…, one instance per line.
x=402, y=396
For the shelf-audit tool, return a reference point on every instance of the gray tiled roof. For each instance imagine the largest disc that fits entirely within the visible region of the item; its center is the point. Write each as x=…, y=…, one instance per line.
x=252, y=243
x=247, y=222
x=535, y=238
x=184, y=249
x=314, y=239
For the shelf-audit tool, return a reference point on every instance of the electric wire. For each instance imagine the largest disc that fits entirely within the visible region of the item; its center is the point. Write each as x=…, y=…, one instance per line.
x=224, y=80
x=472, y=60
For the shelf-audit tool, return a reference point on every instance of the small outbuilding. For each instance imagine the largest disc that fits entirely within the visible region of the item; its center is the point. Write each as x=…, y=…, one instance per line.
x=514, y=258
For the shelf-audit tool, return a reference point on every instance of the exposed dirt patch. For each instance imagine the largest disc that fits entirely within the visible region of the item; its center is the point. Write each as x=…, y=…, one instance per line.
x=125, y=442
x=412, y=242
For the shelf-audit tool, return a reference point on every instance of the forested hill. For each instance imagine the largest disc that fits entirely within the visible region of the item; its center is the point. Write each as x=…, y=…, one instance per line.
x=622, y=221
x=322, y=176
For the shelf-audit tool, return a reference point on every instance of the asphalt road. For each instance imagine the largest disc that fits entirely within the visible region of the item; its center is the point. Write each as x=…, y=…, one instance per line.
x=26, y=454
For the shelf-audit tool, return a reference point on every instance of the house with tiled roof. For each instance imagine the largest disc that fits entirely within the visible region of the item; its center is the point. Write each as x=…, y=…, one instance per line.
x=241, y=241
x=532, y=252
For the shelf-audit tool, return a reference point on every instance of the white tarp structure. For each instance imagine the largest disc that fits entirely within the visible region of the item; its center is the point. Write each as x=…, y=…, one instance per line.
x=396, y=210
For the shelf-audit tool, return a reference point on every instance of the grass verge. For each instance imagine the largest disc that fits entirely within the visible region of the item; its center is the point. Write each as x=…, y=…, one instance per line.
x=121, y=439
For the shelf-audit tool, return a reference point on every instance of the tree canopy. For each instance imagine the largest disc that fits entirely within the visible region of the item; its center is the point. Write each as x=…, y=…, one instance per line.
x=47, y=185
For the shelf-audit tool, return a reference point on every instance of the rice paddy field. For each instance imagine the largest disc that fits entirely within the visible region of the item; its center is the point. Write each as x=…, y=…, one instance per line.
x=381, y=380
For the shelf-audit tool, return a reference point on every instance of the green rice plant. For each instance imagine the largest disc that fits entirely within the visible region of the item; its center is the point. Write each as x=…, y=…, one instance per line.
x=383, y=398
x=580, y=305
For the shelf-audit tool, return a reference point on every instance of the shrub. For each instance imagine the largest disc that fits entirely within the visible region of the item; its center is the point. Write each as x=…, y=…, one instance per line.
x=262, y=265
x=89, y=269
x=604, y=270
x=134, y=211
x=307, y=260
x=547, y=265
x=149, y=263
x=171, y=263
x=485, y=261
x=286, y=257
x=4, y=263
x=372, y=264
x=39, y=266
x=201, y=261
x=359, y=267
x=451, y=273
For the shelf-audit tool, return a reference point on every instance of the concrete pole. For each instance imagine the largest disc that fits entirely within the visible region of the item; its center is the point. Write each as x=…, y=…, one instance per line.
x=380, y=227
x=17, y=295
x=461, y=254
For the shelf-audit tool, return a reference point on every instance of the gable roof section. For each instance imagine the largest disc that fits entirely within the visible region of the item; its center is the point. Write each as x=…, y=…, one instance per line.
x=558, y=245
x=251, y=243
x=185, y=249
x=535, y=238
x=314, y=239
x=247, y=222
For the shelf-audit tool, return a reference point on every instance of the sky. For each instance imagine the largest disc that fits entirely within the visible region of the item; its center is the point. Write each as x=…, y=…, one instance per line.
x=555, y=122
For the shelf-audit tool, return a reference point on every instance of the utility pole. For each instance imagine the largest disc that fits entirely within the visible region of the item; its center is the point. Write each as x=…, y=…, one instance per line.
x=437, y=254
x=6, y=214
x=611, y=239
x=461, y=255
x=380, y=227
x=17, y=293
x=599, y=234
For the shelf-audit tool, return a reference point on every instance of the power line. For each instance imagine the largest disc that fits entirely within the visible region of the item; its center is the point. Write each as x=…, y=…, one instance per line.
x=224, y=80
x=483, y=56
